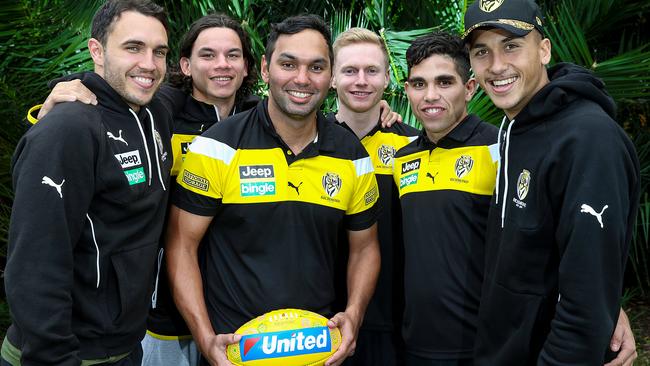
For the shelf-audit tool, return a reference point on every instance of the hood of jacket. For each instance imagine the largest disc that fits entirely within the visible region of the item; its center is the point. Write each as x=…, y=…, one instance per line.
x=568, y=82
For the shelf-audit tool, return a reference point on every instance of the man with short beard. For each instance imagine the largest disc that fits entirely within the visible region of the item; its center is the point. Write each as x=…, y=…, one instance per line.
x=269, y=188
x=90, y=191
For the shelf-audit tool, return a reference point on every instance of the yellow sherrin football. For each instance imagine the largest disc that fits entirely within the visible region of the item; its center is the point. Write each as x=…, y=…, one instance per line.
x=287, y=337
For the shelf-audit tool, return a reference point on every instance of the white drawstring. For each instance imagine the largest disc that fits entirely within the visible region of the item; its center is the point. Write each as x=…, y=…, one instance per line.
x=503, y=121
x=154, y=297
x=92, y=230
x=146, y=148
x=505, y=176
x=216, y=110
x=155, y=147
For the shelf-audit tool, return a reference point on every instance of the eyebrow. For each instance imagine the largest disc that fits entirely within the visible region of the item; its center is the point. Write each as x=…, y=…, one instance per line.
x=415, y=79
x=505, y=40
x=209, y=49
x=288, y=56
x=141, y=43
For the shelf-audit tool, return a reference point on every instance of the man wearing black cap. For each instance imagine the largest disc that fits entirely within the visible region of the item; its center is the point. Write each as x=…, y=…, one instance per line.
x=566, y=197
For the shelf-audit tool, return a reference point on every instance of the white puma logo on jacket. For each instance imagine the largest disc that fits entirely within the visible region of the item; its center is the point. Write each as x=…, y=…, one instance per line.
x=47, y=180
x=118, y=138
x=588, y=209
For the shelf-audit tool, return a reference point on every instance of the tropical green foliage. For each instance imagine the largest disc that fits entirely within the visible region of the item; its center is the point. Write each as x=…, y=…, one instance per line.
x=44, y=39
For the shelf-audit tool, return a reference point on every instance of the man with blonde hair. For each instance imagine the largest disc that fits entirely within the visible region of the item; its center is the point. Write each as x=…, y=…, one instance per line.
x=360, y=77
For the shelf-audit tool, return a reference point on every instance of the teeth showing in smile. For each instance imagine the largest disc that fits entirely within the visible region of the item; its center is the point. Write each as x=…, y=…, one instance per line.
x=299, y=94
x=221, y=78
x=360, y=94
x=432, y=110
x=143, y=80
x=504, y=81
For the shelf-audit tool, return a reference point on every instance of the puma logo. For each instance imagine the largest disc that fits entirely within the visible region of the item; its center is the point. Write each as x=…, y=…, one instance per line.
x=118, y=138
x=599, y=216
x=297, y=188
x=47, y=180
x=433, y=177
x=201, y=129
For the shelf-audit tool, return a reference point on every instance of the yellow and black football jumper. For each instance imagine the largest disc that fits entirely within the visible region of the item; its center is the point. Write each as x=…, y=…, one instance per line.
x=276, y=215
x=164, y=321
x=445, y=192
x=384, y=311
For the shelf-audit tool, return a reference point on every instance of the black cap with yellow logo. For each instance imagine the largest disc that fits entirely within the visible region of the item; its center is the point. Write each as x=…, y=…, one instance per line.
x=518, y=17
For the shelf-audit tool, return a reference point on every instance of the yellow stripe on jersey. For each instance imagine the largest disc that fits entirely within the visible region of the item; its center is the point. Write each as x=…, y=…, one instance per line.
x=382, y=146
x=180, y=145
x=468, y=169
x=248, y=176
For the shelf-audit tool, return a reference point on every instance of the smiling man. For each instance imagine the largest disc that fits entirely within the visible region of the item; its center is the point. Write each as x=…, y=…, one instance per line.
x=267, y=191
x=445, y=180
x=90, y=188
x=360, y=77
x=566, y=198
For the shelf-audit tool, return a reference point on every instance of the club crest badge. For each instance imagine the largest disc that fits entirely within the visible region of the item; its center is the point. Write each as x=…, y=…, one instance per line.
x=489, y=6
x=386, y=154
x=331, y=184
x=463, y=165
x=523, y=183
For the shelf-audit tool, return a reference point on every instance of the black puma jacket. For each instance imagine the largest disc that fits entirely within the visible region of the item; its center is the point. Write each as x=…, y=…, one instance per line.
x=559, y=228
x=91, y=186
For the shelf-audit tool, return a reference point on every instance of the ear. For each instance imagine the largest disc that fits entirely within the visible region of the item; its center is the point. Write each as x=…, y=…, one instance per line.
x=245, y=68
x=406, y=86
x=265, y=69
x=387, y=79
x=184, y=63
x=545, y=51
x=96, y=52
x=470, y=89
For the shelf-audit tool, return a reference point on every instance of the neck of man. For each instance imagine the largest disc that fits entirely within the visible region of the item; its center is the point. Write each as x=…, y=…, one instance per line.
x=224, y=105
x=296, y=132
x=360, y=122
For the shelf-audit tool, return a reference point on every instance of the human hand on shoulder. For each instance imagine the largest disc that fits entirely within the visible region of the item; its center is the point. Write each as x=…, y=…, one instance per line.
x=387, y=116
x=67, y=91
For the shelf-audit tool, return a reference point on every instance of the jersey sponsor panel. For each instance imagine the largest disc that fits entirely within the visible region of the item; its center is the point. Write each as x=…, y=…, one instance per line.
x=262, y=175
x=467, y=169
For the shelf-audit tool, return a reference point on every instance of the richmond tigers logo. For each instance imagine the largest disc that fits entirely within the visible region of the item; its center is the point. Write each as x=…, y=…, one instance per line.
x=489, y=6
x=523, y=184
x=386, y=154
x=464, y=165
x=331, y=184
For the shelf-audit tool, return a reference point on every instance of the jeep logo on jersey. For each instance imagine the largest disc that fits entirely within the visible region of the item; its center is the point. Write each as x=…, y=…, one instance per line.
x=331, y=184
x=411, y=165
x=523, y=183
x=129, y=159
x=285, y=343
x=463, y=165
x=256, y=171
x=489, y=6
x=385, y=154
x=250, y=189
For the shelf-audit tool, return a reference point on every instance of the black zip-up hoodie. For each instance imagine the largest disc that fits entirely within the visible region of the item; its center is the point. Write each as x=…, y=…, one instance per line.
x=91, y=186
x=195, y=118
x=559, y=228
